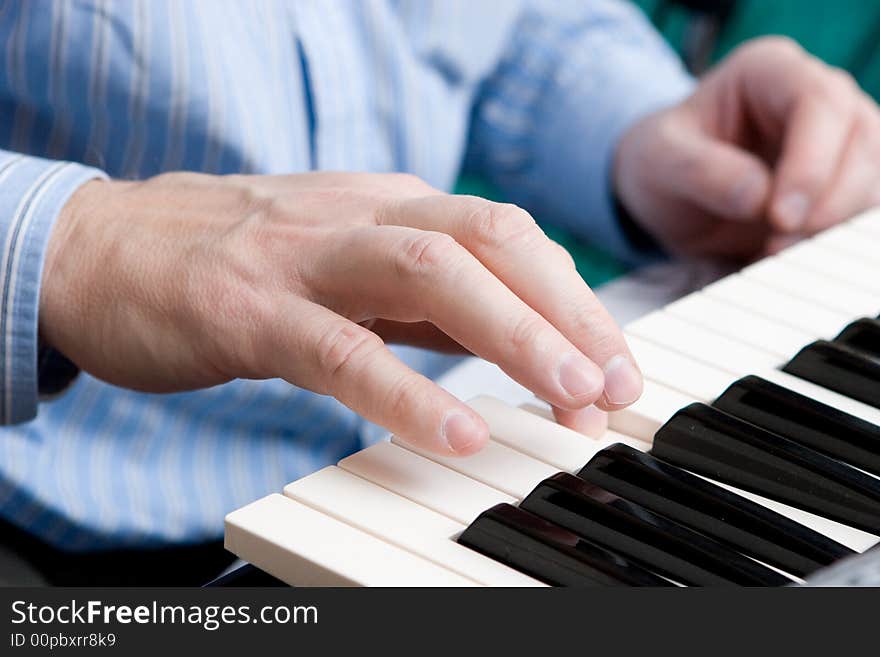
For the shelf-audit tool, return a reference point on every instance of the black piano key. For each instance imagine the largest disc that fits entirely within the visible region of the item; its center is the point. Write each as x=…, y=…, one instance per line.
x=550, y=553
x=804, y=420
x=862, y=335
x=718, y=513
x=712, y=443
x=839, y=368
x=634, y=532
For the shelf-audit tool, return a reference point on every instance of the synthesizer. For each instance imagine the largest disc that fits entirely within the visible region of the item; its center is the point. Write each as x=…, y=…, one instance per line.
x=752, y=457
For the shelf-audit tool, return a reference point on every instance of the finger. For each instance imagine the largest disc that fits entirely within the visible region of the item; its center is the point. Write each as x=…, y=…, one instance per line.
x=793, y=99
x=590, y=421
x=333, y=356
x=818, y=129
x=854, y=185
x=727, y=240
x=781, y=241
x=718, y=177
x=410, y=275
x=416, y=334
x=506, y=240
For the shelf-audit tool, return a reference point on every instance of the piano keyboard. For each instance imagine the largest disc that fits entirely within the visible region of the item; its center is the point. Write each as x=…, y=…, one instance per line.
x=752, y=458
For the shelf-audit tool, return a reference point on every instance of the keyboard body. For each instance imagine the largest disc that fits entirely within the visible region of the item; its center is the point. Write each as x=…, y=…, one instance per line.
x=752, y=457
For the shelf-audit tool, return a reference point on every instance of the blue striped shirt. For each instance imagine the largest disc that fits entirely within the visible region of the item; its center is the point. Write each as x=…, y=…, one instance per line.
x=530, y=95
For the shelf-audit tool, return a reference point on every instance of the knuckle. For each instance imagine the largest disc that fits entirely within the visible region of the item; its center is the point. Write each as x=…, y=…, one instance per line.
x=498, y=225
x=835, y=87
x=775, y=46
x=426, y=254
x=564, y=256
x=845, y=80
x=408, y=180
x=868, y=130
x=593, y=322
x=526, y=332
x=604, y=340
x=784, y=45
x=343, y=348
x=400, y=400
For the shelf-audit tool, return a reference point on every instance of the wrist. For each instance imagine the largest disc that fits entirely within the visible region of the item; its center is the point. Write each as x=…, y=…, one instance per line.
x=640, y=239
x=628, y=187
x=65, y=251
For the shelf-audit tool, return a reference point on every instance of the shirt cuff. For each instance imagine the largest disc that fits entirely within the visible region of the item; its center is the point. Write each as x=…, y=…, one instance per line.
x=547, y=124
x=32, y=193
x=579, y=137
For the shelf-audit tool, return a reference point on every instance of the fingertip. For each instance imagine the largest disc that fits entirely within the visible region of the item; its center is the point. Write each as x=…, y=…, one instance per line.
x=790, y=211
x=623, y=383
x=464, y=433
x=590, y=421
x=581, y=381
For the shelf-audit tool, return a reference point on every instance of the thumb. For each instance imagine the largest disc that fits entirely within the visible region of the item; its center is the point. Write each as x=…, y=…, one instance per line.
x=716, y=176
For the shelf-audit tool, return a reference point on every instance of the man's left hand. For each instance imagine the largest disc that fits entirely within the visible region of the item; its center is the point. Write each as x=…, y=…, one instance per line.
x=773, y=146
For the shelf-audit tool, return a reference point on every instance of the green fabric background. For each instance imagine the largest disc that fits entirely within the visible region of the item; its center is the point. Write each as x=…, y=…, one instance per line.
x=841, y=32
x=844, y=33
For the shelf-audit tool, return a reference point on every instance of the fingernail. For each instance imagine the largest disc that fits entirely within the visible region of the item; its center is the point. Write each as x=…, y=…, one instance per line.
x=579, y=377
x=590, y=421
x=460, y=432
x=792, y=210
x=623, y=382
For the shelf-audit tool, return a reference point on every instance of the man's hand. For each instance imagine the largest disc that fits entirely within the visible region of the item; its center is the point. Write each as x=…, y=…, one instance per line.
x=186, y=281
x=773, y=146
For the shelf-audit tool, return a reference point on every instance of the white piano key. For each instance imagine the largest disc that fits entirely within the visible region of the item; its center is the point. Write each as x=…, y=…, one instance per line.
x=535, y=436
x=495, y=465
x=849, y=536
x=849, y=271
x=845, y=535
x=537, y=407
x=674, y=370
x=304, y=547
x=702, y=344
x=705, y=383
x=740, y=324
x=779, y=306
x=689, y=352
x=542, y=409
x=853, y=538
x=868, y=222
x=817, y=288
x=643, y=418
x=397, y=520
x=846, y=240
x=424, y=482
x=515, y=473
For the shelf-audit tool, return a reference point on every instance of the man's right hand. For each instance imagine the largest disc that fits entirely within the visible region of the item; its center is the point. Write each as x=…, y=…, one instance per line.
x=186, y=281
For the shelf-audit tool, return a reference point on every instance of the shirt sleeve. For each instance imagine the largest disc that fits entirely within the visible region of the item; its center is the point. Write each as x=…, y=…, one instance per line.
x=32, y=193
x=546, y=123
